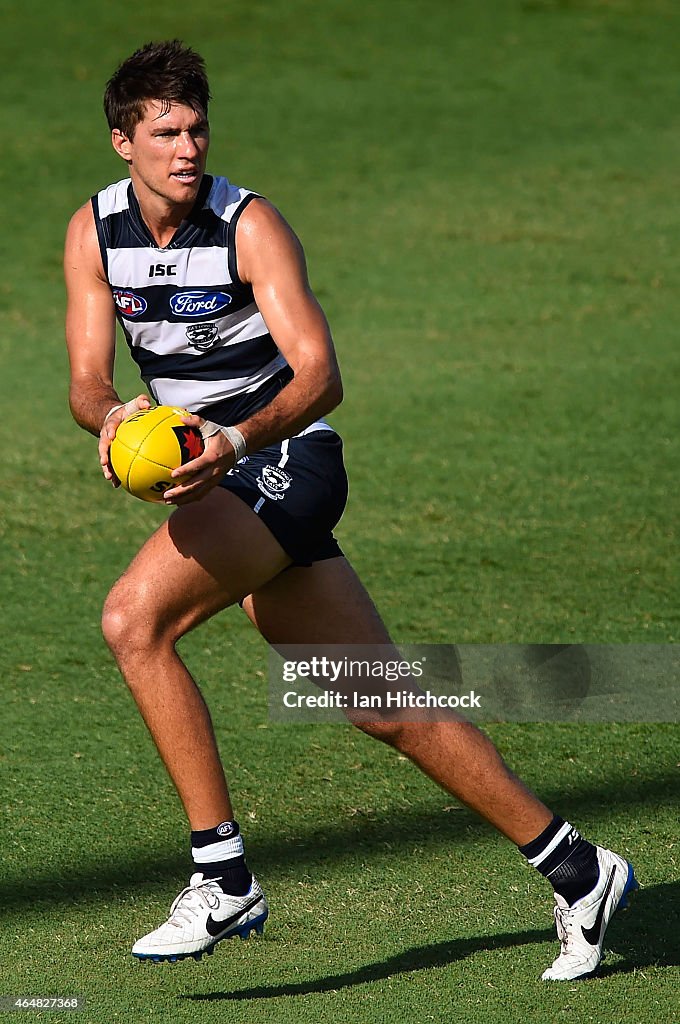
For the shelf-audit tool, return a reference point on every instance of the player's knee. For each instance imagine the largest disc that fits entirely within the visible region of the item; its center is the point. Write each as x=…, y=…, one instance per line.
x=128, y=621
x=406, y=737
x=116, y=623
x=387, y=730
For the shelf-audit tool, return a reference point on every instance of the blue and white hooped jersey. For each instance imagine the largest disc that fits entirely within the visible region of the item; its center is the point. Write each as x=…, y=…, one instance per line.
x=192, y=325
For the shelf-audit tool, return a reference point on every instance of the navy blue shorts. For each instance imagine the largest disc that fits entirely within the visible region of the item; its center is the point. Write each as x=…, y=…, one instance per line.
x=298, y=488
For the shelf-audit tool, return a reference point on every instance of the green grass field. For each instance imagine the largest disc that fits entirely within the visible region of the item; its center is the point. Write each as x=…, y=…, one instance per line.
x=487, y=193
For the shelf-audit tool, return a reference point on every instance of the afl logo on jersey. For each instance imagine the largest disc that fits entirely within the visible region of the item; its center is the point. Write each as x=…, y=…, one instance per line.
x=128, y=303
x=195, y=304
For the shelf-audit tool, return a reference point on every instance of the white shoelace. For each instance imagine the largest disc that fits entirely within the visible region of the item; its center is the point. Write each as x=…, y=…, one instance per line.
x=562, y=922
x=190, y=900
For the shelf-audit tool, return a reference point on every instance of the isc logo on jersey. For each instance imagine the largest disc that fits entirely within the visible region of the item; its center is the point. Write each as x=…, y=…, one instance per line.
x=195, y=304
x=128, y=303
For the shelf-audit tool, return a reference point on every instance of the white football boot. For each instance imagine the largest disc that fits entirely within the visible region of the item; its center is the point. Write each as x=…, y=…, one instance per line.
x=201, y=916
x=581, y=927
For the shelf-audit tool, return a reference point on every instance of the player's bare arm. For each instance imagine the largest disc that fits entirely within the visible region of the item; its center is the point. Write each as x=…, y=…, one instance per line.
x=91, y=337
x=271, y=259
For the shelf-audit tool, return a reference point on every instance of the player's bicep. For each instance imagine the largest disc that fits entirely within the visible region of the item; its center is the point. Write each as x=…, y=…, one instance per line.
x=272, y=260
x=90, y=314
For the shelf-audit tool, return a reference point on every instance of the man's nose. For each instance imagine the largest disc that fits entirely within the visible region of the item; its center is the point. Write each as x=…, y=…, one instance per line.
x=187, y=145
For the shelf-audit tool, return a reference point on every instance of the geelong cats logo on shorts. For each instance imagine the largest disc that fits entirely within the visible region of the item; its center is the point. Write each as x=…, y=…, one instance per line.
x=202, y=336
x=273, y=481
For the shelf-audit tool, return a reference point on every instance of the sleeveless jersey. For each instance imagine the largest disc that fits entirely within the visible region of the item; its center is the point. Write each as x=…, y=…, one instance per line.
x=192, y=325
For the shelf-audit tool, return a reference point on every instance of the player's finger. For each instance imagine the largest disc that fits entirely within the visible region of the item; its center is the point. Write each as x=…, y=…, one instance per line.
x=189, y=485
x=182, y=490
x=192, y=420
x=188, y=498
x=106, y=436
x=189, y=468
x=135, y=405
x=107, y=470
x=203, y=463
x=195, y=494
x=206, y=460
x=193, y=489
x=104, y=445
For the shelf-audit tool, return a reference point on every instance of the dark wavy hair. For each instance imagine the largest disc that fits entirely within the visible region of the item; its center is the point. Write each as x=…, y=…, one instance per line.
x=166, y=71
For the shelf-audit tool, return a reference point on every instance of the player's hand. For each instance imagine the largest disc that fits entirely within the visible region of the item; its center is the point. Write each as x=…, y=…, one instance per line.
x=108, y=432
x=201, y=474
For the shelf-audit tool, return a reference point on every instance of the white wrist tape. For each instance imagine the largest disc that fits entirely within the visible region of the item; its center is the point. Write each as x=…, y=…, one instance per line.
x=111, y=411
x=232, y=434
x=129, y=407
x=236, y=440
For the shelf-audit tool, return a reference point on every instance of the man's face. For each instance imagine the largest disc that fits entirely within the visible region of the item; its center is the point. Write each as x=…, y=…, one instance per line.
x=168, y=151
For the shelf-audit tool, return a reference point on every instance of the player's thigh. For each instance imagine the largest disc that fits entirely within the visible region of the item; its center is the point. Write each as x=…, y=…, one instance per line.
x=205, y=557
x=325, y=603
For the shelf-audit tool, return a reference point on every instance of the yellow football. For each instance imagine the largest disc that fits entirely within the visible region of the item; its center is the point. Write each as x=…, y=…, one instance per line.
x=148, y=445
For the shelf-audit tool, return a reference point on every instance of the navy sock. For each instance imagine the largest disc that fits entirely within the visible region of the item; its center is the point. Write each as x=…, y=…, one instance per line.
x=218, y=853
x=565, y=858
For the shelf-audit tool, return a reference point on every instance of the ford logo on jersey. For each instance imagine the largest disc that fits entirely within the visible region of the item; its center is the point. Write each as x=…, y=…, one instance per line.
x=128, y=303
x=191, y=304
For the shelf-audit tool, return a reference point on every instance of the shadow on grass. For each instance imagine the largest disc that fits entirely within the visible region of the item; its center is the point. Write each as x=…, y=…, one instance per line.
x=418, y=958
x=96, y=880
x=650, y=935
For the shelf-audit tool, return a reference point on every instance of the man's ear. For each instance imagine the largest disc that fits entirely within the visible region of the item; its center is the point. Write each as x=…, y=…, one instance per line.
x=121, y=144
